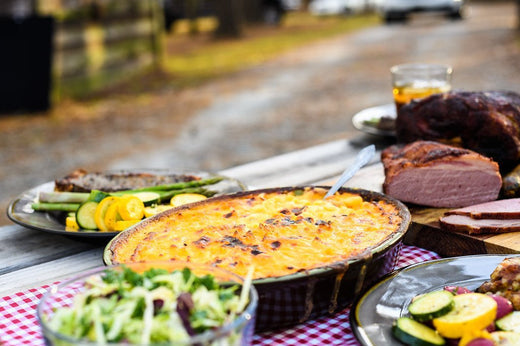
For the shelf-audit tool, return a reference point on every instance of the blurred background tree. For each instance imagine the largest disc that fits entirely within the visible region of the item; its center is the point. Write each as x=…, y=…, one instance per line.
x=230, y=16
x=192, y=15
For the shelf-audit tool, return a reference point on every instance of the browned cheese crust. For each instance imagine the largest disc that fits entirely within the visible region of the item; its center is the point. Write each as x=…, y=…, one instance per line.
x=277, y=232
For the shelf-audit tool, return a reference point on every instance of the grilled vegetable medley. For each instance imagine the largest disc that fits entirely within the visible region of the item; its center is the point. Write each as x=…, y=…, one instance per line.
x=458, y=316
x=116, y=211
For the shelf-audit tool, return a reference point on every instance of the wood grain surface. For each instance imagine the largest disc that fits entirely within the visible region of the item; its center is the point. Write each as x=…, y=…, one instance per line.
x=31, y=258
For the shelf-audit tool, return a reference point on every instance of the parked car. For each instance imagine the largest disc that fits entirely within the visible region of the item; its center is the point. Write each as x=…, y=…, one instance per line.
x=336, y=7
x=399, y=10
x=292, y=5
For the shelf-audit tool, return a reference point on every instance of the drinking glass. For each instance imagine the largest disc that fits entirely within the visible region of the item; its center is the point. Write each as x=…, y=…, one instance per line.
x=416, y=81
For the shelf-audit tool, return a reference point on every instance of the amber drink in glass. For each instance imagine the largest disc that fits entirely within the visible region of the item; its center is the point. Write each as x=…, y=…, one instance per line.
x=416, y=81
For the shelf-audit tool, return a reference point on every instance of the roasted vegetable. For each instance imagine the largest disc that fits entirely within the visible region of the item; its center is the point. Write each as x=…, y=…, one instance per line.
x=411, y=332
x=511, y=184
x=431, y=305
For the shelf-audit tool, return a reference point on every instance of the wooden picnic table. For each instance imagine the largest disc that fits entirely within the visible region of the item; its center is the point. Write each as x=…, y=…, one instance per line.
x=31, y=257
x=32, y=260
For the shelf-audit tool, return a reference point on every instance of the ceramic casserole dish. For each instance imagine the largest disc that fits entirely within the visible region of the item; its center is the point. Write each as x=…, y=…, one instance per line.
x=309, y=256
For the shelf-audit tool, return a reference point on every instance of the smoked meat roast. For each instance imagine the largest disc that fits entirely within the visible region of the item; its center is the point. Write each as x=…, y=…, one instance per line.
x=439, y=175
x=486, y=122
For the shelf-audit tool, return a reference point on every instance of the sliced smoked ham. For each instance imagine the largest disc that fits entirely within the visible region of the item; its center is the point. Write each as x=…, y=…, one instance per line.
x=492, y=217
x=463, y=223
x=501, y=210
x=438, y=175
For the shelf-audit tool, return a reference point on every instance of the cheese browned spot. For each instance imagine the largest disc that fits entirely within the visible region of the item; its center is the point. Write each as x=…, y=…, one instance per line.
x=278, y=233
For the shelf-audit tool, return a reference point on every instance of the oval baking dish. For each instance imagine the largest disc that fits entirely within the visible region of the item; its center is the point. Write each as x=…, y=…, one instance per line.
x=353, y=237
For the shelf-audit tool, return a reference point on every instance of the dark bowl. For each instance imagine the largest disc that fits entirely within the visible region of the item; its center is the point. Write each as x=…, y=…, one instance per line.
x=292, y=299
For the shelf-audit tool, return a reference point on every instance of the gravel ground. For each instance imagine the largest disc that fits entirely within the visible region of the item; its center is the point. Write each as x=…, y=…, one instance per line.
x=302, y=98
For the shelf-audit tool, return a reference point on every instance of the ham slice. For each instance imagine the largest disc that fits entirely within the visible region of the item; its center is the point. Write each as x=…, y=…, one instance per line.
x=502, y=209
x=463, y=223
x=438, y=175
x=492, y=217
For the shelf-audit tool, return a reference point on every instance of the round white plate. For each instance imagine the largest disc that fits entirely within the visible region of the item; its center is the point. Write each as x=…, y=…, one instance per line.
x=367, y=119
x=21, y=212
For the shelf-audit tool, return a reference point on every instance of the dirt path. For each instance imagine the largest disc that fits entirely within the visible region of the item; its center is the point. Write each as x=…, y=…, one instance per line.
x=303, y=98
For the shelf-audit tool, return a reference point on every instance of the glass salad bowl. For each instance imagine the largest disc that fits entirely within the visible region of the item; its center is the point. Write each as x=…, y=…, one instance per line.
x=153, y=303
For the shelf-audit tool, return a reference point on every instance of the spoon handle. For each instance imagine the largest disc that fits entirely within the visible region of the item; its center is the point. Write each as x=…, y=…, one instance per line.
x=362, y=158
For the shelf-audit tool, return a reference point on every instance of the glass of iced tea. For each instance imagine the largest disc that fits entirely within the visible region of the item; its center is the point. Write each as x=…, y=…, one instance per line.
x=415, y=81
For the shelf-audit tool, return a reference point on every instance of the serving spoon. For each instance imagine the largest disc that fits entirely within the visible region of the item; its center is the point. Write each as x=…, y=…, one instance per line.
x=362, y=158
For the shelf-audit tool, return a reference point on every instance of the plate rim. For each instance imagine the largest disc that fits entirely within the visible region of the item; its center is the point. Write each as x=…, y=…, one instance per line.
x=361, y=334
x=357, y=120
x=60, y=230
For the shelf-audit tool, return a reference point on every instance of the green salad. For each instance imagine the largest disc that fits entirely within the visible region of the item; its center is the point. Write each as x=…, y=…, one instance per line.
x=156, y=306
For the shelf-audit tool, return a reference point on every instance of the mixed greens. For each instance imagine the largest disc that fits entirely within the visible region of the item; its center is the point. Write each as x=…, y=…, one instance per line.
x=154, y=307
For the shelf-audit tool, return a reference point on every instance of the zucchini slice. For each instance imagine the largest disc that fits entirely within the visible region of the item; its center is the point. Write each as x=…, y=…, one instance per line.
x=156, y=209
x=148, y=197
x=85, y=215
x=414, y=333
x=510, y=322
x=431, y=305
x=97, y=196
x=185, y=198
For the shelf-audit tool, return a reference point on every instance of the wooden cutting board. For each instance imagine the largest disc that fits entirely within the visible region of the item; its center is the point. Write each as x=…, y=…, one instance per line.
x=425, y=231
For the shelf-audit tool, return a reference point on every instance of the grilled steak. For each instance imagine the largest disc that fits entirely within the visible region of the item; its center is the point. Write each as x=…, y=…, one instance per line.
x=82, y=181
x=439, y=175
x=505, y=281
x=486, y=122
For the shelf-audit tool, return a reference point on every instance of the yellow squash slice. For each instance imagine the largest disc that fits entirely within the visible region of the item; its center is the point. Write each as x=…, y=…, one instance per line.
x=131, y=208
x=71, y=224
x=472, y=312
x=112, y=216
x=101, y=211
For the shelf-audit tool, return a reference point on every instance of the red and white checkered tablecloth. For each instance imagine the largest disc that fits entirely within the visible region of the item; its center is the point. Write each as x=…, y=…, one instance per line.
x=18, y=324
